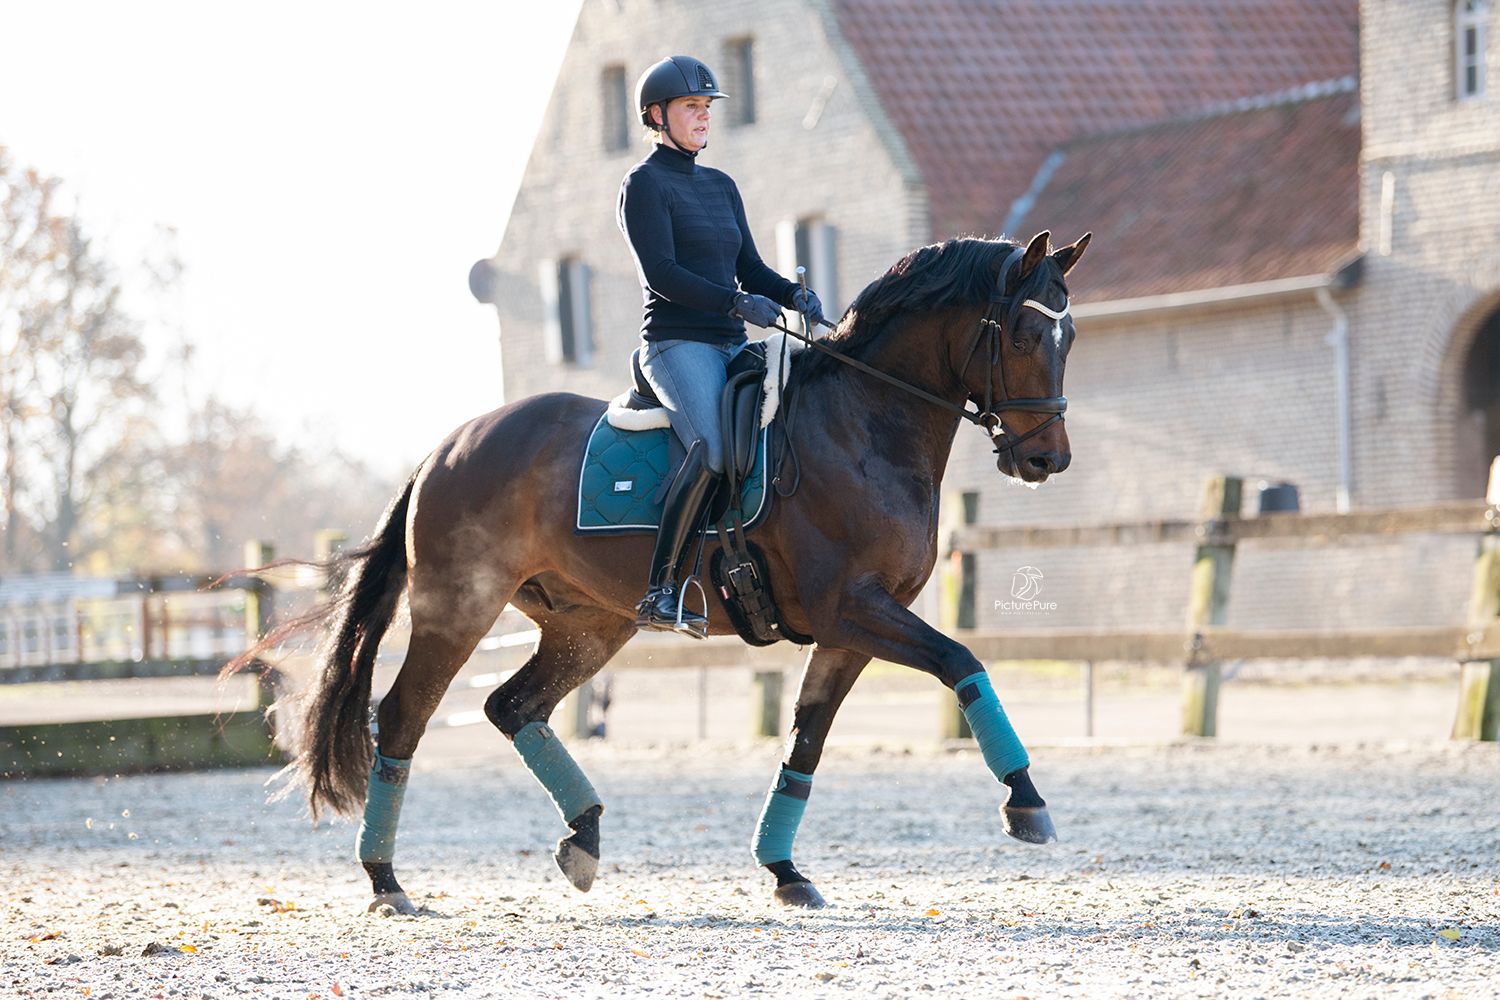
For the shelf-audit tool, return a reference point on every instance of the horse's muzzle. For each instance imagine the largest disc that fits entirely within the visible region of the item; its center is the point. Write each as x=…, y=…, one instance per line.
x=1035, y=467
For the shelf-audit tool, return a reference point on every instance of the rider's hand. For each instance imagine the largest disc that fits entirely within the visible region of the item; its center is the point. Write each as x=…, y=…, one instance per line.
x=756, y=310
x=805, y=301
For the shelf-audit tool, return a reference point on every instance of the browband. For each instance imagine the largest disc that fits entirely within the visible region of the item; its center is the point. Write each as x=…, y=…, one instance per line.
x=999, y=295
x=1033, y=303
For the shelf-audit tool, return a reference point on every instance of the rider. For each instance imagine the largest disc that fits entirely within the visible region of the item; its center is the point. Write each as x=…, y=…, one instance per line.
x=702, y=280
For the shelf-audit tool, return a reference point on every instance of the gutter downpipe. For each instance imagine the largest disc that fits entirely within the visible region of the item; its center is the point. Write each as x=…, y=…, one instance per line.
x=1338, y=337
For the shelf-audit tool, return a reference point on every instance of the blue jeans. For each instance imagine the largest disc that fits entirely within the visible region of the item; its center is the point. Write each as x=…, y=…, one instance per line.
x=689, y=377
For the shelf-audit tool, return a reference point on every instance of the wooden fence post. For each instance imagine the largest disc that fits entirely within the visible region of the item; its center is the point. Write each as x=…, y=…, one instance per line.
x=260, y=601
x=571, y=718
x=327, y=543
x=1478, y=715
x=956, y=596
x=1208, y=602
x=766, y=687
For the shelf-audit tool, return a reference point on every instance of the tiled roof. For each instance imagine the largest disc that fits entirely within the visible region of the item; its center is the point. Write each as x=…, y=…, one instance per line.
x=982, y=90
x=1262, y=191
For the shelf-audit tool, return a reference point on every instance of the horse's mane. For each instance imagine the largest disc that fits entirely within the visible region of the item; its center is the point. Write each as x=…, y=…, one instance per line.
x=957, y=272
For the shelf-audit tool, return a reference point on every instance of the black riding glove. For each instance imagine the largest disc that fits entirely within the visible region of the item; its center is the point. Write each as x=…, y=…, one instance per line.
x=805, y=301
x=756, y=310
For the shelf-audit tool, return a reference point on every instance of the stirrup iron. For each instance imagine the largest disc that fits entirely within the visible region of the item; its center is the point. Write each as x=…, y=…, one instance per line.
x=687, y=628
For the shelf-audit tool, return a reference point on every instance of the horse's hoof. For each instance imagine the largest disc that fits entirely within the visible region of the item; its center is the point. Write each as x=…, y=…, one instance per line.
x=577, y=864
x=397, y=901
x=803, y=894
x=1033, y=824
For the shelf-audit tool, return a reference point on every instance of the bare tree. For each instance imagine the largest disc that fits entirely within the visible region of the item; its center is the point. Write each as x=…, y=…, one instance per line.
x=91, y=476
x=71, y=366
x=233, y=481
x=28, y=243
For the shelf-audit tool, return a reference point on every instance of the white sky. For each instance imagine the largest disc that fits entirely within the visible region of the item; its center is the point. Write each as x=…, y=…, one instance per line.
x=332, y=171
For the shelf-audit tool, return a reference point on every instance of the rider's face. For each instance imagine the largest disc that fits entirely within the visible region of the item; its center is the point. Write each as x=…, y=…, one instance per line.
x=688, y=119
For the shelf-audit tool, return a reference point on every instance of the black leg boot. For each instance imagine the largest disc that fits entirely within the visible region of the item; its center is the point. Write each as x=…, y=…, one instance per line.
x=681, y=512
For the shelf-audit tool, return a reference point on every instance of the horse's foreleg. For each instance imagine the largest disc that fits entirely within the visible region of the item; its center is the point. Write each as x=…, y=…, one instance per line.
x=573, y=646
x=875, y=623
x=826, y=679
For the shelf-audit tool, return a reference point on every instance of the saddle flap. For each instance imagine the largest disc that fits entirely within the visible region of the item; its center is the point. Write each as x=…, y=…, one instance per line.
x=739, y=412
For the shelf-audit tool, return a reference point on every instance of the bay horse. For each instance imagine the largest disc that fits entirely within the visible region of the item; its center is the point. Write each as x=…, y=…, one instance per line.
x=485, y=521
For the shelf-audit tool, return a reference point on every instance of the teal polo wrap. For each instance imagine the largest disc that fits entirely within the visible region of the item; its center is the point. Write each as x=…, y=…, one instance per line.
x=377, y=831
x=996, y=737
x=545, y=756
x=780, y=816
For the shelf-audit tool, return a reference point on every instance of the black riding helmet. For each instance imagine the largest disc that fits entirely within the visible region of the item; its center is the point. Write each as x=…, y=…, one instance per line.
x=673, y=77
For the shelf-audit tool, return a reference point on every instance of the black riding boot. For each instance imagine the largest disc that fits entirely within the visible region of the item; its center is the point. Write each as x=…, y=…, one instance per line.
x=681, y=512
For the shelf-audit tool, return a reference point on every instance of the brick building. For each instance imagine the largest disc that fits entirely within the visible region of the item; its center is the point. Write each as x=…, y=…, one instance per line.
x=1295, y=273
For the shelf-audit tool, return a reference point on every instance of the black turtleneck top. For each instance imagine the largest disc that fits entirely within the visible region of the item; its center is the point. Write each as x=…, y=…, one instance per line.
x=686, y=227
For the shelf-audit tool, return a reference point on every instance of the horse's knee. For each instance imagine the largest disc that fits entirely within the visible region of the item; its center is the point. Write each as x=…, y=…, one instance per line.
x=953, y=670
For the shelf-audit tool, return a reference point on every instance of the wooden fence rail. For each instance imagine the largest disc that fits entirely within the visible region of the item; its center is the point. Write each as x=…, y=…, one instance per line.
x=158, y=743
x=1199, y=647
x=1204, y=643
x=1454, y=517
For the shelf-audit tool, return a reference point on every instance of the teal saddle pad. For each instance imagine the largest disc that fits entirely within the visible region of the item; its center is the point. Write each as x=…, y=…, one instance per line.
x=619, y=486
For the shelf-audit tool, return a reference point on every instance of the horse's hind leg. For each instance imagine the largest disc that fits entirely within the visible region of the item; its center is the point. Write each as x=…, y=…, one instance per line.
x=443, y=635
x=826, y=679
x=574, y=644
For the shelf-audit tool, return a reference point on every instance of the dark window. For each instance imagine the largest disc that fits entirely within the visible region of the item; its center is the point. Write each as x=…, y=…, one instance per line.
x=616, y=100
x=812, y=243
x=1479, y=422
x=1470, y=19
x=739, y=80
x=568, y=328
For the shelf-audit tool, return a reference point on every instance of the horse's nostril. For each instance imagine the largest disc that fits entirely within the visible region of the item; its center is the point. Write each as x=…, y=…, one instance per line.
x=1042, y=463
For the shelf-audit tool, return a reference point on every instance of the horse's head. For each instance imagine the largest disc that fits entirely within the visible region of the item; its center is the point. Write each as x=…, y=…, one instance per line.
x=1014, y=373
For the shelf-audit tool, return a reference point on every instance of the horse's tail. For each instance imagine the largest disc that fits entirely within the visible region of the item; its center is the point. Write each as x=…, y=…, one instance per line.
x=335, y=752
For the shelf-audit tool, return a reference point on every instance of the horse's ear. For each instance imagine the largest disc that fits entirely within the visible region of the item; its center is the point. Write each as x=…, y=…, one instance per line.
x=1067, y=257
x=1035, y=251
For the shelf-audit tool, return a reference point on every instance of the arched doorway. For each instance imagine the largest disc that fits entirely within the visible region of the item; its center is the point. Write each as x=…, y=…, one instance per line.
x=1479, y=408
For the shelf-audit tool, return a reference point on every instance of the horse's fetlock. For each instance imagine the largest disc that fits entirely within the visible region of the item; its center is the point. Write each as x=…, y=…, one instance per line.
x=1023, y=792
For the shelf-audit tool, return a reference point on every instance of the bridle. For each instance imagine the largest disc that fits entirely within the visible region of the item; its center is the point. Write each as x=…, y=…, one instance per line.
x=991, y=325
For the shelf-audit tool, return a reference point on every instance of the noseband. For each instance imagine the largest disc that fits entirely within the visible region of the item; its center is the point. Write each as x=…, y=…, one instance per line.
x=992, y=325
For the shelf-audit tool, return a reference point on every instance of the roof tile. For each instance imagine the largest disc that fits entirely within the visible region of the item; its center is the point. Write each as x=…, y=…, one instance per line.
x=1246, y=195
x=984, y=89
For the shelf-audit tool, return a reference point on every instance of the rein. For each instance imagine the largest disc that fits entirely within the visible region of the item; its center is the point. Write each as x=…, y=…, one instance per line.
x=993, y=325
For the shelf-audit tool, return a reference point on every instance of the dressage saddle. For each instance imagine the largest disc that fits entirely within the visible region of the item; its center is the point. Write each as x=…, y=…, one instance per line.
x=738, y=568
x=739, y=417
